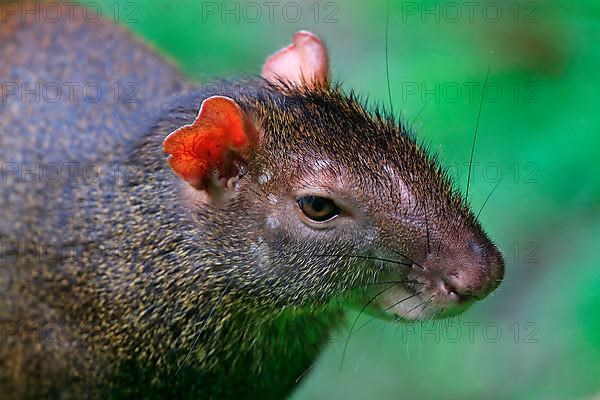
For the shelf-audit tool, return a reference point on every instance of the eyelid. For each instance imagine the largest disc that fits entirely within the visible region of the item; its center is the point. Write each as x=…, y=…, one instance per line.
x=337, y=210
x=348, y=210
x=347, y=207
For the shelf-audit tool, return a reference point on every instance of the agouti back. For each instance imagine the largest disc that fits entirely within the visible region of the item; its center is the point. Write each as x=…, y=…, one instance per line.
x=161, y=241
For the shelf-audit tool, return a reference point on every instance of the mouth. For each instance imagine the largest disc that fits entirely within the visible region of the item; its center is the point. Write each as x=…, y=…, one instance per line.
x=416, y=297
x=410, y=304
x=406, y=304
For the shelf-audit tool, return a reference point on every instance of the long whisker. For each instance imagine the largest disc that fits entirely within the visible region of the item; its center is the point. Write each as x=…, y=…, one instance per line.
x=425, y=306
x=415, y=307
x=403, y=300
x=396, y=282
x=435, y=314
x=371, y=300
x=387, y=64
x=477, y=126
x=197, y=338
x=420, y=305
x=389, y=308
x=362, y=257
x=410, y=128
x=306, y=371
x=488, y=197
x=408, y=258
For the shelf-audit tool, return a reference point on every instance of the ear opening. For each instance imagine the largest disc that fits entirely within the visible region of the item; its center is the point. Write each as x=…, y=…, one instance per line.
x=303, y=63
x=210, y=153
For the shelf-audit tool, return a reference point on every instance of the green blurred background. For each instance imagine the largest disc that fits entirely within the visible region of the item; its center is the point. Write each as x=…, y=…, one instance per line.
x=538, y=335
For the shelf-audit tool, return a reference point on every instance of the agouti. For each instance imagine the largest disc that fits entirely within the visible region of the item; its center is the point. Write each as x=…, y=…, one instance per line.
x=162, y=241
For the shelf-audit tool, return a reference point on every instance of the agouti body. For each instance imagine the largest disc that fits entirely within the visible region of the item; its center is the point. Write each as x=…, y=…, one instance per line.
x=214, y=273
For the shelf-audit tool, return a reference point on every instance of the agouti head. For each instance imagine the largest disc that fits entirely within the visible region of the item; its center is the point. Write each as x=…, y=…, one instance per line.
x=330, y=198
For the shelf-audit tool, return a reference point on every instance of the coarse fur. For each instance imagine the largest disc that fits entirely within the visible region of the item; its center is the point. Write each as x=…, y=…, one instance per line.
x=120, y=282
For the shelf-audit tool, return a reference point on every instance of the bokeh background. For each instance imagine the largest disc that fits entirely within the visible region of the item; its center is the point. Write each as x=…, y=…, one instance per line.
x=538, y=335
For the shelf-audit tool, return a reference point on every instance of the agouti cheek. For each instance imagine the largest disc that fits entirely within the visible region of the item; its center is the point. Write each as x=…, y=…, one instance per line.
x=272, y=223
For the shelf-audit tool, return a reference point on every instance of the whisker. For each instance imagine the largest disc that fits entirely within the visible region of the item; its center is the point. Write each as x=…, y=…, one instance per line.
x=403, y=300
x=477, y=126
x=415, y=307
x=408, y=258
x=396, y=282
x=488, y=197
x=410, y=128
x=371, y=300
x=387, y=309
x=197, y=338
x=306, y=371
x=362, y=257
x=425, y=306
x=387, y=64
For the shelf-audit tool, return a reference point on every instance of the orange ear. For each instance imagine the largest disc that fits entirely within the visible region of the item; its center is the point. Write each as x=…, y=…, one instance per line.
x=304, y=62
x=205, y=150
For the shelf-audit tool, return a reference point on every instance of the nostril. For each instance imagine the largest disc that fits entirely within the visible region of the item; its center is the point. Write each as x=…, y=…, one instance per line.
x=455, y=288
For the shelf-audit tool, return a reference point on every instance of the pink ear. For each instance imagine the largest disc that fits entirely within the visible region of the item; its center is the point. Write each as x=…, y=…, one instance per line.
x=304, y=62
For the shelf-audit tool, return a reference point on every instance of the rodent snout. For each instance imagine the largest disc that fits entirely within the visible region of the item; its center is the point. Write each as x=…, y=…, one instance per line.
x=463, y=277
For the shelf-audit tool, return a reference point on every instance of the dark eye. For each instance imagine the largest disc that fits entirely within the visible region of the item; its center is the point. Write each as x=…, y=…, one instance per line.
x=318, y=209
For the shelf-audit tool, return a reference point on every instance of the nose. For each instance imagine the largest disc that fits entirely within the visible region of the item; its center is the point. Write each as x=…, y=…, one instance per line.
x=478, y=276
